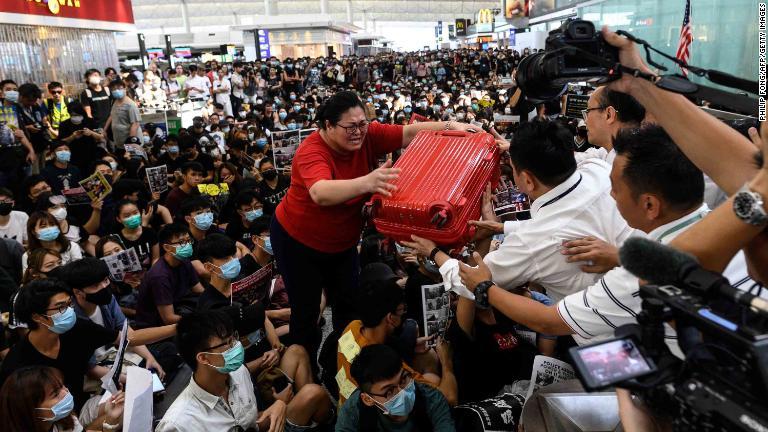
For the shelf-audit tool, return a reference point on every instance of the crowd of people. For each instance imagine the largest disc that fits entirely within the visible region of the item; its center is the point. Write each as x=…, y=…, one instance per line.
x=227, y=291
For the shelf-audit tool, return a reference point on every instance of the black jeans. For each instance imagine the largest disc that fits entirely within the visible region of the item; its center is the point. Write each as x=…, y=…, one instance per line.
x=306, y=272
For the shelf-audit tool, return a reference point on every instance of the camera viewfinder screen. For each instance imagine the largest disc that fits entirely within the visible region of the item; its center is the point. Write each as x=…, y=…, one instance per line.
x=614, y=361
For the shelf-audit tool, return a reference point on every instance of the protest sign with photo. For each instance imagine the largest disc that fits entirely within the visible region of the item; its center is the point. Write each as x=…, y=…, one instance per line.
x=123, y=262
x=284, y=146
x=135, y=150
x=436, y=304
x=509, y=200
x=96, y=186
x=158, y=178
x=254, y=288
x=546, y=371
x=574, y=104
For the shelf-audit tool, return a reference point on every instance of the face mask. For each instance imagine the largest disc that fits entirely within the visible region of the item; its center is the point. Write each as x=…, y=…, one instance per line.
x=385, y=111
x=251, y=136
x=475, y=107
x=49, y=233
x=132, y=222
x=63, y=155
x=282, y=115
x=63, y=321
x=94, y=80
x=12, y=96
x=408, y=109
x=60, y=214
x=203, y=221
x=183, y=252
x=292, y=126
x=311, y=110
x=242, y=114
x=268, y=246
x=269, y=174
x=402, y=403
x=61, y=409
x=76, y=120
x=261, y=142
x=230, y=270
x=101, y=297
x=225, y=129
x=581, y=132
x=145, y=139
x=5, y=209
x=380, y=119
x=253, y=215
x=118, y=94
x=233, y=359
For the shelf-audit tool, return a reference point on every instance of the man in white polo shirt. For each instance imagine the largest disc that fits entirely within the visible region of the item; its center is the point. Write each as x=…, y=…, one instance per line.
x=659, y=191
x=568, y=203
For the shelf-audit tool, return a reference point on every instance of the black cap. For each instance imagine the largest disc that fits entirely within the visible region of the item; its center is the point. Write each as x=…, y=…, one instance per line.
x=375, y=272
x=132, y=140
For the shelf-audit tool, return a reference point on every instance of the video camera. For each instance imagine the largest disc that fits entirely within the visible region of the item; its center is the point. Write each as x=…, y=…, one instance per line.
x=722, y=384
x=545, y=75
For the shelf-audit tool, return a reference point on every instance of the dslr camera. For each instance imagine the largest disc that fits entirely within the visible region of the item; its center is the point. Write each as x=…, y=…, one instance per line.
x=570, y=56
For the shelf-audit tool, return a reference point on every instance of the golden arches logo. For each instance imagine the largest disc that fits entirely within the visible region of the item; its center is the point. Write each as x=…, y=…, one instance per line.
x=54, y=6
x=485, y=16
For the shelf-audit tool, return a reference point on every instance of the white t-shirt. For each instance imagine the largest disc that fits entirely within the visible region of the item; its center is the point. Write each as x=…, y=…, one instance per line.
x=222, y=98
x=200, y=83
x=16, y=229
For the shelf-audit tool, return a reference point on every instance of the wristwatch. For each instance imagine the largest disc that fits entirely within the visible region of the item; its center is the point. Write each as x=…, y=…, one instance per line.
x=749, y=207
x=481, y=294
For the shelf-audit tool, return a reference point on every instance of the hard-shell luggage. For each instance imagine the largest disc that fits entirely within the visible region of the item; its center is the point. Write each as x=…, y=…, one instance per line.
x=440, y=187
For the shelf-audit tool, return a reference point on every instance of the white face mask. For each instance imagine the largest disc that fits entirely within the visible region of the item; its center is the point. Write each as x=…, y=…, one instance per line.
x=76, y=119
x=60, y=214
x=94, y=80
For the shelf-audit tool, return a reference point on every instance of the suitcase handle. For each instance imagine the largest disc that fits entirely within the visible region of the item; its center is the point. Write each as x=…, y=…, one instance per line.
x=441, y=213
x=452, y=133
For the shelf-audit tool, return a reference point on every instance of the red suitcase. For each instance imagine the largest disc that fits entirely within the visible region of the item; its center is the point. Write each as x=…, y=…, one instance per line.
x=440, y=187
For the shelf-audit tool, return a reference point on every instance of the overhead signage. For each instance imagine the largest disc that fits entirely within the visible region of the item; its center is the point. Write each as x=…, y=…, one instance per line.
x=116, y=15
x=461, y=27
x=266, y=52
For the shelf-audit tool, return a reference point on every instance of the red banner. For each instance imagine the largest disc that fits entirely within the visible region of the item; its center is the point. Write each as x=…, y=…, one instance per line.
x=117, y=11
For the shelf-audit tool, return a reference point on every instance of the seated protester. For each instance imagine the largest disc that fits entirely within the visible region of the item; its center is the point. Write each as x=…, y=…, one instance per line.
x=32, y=187
x=82, y=135
x=43, y=263
x=273, y=187
x=382, y=307
x=220, y=395
x=153, y=214
x=126, y=290
x=171, y=157
x=36, y=399
x=191, y=153
x=228, y=173
x=13, y=223
x=57, y=206
x=248, y=222
x=192, y=175
x=659, y=191
x=171, y=284
x=133, y=235
x=93, y=301
x=43, y=232
x=57, y=338
x=389, y=398
x=59, y=173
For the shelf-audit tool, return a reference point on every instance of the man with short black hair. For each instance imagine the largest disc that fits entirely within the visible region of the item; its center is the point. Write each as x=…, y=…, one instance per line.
x=192, y=174
x=609, y=111
x=191, y=153
x=250, y=220
x=57, y=108
x=96, y=99
x=34, y=119
x=60, y=174
x=13, y=223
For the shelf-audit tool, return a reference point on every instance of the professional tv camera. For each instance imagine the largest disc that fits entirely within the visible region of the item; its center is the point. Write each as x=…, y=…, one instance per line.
x=722, y=384
x=546, y=75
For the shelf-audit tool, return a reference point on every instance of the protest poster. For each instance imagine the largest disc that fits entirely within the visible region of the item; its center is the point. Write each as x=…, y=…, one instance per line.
x=136, y=151
x=158, y=178
x=111, y=381
x=137, y=414
x=436, y=305
x=96, y=186
x=76, y=196
x=284, y=146
x=505, y=119
x=499, y=413
x=546, y=371
x=253, y=288
x=121, y=263
x=509, y=201
x=574, y=104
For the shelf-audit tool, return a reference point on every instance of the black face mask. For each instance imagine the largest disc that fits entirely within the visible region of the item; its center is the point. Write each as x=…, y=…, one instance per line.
x=101, y=298
x=582, y=133
x=269, y=174
x=5, y=209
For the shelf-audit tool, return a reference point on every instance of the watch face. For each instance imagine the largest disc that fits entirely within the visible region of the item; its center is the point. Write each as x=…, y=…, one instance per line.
x=743, y=205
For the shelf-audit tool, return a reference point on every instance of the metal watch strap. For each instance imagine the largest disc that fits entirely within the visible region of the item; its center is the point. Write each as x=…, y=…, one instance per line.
x=757, y=215
x=481, y=294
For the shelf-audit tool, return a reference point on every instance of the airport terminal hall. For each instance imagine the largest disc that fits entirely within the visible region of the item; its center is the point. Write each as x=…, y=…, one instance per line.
x=383, y=215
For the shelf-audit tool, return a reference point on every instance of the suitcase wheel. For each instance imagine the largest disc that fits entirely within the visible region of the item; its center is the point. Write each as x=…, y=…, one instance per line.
x=440, y=218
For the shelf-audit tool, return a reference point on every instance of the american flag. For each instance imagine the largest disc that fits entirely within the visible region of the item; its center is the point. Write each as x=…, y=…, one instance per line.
x=686, y=37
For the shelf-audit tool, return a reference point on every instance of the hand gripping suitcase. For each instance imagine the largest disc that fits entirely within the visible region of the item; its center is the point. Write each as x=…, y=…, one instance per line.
x=440, y=187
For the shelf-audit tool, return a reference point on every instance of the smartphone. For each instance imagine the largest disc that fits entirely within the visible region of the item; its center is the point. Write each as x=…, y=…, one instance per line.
x=280, y=383
x=607, y=363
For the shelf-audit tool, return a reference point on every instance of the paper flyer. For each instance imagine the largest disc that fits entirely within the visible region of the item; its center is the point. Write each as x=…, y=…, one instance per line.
x=96, y=186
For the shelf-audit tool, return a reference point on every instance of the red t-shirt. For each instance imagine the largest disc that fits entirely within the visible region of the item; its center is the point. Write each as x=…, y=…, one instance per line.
x=331, y=229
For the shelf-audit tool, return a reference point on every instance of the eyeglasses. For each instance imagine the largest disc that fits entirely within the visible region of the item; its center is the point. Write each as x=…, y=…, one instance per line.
x=405, y=381
x=182, y=242
x=585, y=112
x=61, y=307
x=56, y=92
x=233, y=340
x=362, y=127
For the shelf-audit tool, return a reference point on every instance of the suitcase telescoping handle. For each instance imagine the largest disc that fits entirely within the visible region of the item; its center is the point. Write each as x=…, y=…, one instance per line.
x=452, y=133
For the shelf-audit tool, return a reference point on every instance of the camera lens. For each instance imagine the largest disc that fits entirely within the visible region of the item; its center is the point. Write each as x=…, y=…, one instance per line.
x=534, y=78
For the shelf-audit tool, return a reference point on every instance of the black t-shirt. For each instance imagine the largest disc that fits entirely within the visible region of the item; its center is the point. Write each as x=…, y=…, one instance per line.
x=83, y=148
x=269, y=197
x=205, y=160
x=61, y=178
x=172, y=164
x=100, y=104
x=142, y=245
x=497, y=356
x=77, y=347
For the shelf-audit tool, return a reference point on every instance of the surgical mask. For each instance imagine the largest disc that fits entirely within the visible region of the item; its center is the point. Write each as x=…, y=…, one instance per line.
x=292, y=126
x=61, y=410
x=203, y=221
x=183, y=252
x=171, y=149
x=49, y=233
x=268, y=246
x=242, y=114
x=261, y=142
x=297, y=108
x=449, y=110
x=402, y=403
x=132, y=222
x=118, y=94
x=145, y=139
x=251, y=136
x=101, y=297
x=75, y=119
x=282, y=115
x=63, y=321
x=12, y=96
x=94, y=80
x=385, y=111
x=63, y=155
x=408, y=109
x=230, y=269
x=252, y=215
x=233, y=359
x=60, y=214
x=460, y=115
x=475, y=107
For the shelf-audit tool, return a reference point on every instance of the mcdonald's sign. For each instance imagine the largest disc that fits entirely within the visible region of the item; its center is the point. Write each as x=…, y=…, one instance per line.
x=485, y=19
x=461, y=27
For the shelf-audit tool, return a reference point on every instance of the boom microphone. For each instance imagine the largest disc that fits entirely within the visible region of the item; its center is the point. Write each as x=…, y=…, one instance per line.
x=660, y=264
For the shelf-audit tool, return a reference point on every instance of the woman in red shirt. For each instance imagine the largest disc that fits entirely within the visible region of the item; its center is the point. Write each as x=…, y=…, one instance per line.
x=317, y=225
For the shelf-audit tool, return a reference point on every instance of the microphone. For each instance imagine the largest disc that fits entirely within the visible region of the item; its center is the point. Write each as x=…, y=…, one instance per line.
x=660, y=264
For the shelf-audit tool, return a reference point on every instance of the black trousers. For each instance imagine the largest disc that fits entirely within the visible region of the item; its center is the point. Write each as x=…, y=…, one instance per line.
x=306, y=272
